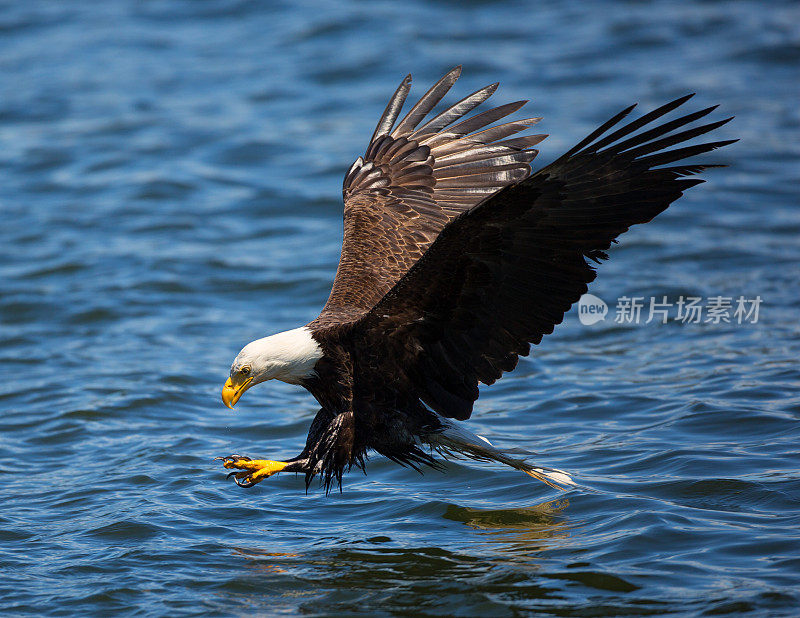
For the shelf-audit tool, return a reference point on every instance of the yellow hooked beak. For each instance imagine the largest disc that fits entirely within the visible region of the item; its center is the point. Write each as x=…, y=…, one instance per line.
x=233, y=390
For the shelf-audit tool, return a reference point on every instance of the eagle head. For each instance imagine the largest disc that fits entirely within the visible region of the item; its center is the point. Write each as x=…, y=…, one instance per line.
x=289, y=356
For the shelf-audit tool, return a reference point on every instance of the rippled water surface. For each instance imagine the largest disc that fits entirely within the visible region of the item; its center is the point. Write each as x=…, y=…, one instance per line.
x=169, y=183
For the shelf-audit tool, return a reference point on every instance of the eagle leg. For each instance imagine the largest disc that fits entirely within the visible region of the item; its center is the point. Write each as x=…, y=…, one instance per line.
x=253, y=471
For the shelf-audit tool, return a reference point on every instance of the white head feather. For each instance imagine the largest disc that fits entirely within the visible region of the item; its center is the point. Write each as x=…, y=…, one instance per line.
x=289, y=356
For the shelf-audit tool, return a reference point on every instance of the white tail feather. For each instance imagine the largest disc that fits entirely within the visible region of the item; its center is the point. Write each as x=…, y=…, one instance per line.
x=455, y=440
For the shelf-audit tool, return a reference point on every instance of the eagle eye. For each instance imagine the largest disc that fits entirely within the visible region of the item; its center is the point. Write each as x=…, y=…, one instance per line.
x=245, y=370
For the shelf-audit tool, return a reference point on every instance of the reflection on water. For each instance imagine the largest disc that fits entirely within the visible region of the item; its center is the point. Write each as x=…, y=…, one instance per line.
x=509, y=546
x=519, y=532
x=507, y=540
x=262, y=560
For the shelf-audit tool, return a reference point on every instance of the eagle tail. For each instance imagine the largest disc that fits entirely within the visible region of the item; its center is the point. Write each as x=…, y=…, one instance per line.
x=456, y=441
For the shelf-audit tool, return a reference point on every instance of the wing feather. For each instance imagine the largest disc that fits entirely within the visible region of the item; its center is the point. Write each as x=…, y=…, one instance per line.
x=427, y=102
x=392, y=110
x=501, y=275
x=478, y=121
x=459, y=110
x=415, y=177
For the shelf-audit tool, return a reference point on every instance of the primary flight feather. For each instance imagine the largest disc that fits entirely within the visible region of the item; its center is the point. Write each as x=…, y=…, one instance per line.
x=455, y=259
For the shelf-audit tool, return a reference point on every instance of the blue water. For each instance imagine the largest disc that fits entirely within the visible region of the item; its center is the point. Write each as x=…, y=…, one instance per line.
x=170, y=174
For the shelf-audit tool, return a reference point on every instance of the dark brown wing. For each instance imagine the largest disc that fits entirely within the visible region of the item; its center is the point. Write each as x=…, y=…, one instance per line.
x=412, y=181
x=502, y=275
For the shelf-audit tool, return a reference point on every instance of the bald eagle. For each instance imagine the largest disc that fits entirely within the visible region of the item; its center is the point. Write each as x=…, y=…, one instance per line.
x=455, y=258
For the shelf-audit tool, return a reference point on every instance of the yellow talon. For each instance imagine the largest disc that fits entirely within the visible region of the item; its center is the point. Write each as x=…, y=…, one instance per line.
x=253, y=470
x=262, y=465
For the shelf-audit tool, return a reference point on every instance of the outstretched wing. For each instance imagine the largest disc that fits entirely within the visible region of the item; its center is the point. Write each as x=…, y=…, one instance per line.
x=413, y=179
x=501, y=275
